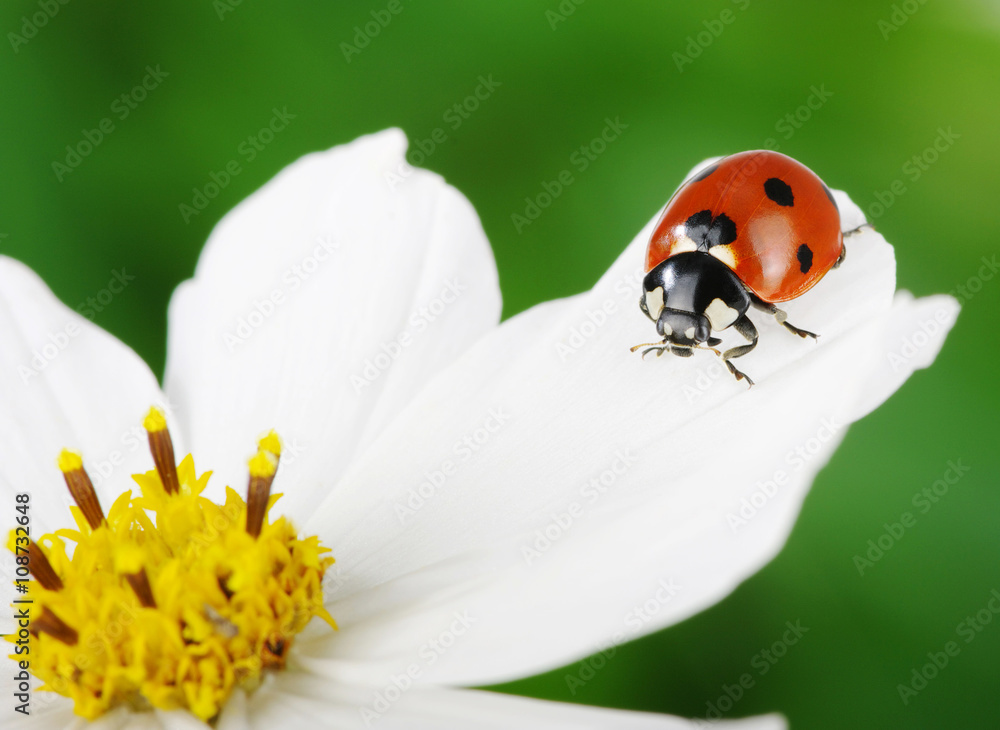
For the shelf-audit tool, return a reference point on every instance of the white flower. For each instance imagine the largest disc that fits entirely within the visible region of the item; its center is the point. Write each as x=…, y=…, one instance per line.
x=500, y=500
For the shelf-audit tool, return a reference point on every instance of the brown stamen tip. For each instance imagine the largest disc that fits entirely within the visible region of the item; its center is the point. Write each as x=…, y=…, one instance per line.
x=262, y=470
x=273, y=652
x=162, y=448
x=81, y=488
x=49, y=623
x=140, y=584
x=41, y=568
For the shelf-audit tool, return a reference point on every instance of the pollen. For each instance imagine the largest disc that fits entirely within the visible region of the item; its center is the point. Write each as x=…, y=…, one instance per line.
x=169, y=600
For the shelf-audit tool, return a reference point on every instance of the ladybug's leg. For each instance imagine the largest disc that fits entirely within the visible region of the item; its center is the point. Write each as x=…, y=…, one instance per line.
x=840, y=259
x=856, y=231
x=746, y=328
x=781, y=316
x=848, y=234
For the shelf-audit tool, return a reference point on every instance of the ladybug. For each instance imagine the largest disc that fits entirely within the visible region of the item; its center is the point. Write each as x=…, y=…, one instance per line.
x=753, y=229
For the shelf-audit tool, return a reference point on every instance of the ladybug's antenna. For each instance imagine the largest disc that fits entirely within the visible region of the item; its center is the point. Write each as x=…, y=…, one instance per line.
x=706, y=347
x=665, y=345
x=647, y=344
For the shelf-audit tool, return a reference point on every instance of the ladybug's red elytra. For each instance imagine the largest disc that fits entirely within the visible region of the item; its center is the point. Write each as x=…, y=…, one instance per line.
x=752, y=229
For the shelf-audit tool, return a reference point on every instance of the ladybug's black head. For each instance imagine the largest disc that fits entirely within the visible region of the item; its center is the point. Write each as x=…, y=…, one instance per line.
x=689, y=296
x=687, y=329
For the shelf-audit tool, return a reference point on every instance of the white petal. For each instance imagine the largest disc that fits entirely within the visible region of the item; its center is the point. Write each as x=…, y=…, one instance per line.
x=64, y=382
x=122, y=719
x=305, y=701
x=177, y=720
x=698, y=440
x=48, y=711
x=606, y=577
x=441, y=708
x=234, y=713
x=380, y=282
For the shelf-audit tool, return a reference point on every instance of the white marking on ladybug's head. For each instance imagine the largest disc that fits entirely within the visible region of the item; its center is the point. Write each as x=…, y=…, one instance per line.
x=689, y=333
x=667, y=330
x=654, y=302
x=720, y=314
x=725, y=254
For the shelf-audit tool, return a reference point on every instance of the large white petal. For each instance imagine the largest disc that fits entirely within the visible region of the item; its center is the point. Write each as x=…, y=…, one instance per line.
x=309, y=702
x=380, y=281
x=301, y=700
x=699, y=443
x=442, y=708
x=64, y=382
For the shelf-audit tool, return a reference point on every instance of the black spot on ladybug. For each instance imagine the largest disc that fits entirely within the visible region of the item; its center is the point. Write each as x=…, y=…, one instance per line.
x=705, y=173
x=722, y=232
x=707, y=231
x=778, y=191
x=697, y=226
x=830, y=196
x=805, y=257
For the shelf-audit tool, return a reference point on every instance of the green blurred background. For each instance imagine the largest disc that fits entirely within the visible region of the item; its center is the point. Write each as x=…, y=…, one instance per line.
x=887, y=88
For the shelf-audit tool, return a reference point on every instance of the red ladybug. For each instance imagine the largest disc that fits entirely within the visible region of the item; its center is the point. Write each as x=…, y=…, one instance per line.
x=754, y=228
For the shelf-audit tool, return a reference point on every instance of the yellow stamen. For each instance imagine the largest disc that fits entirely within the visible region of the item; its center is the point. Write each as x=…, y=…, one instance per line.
x=139, y=582
x=263, y=467
x=41, y=568
x=80, y=486
x=155, y=420
x=173, y=603
x=270, y=442
x=69, y=461
x=49, y=623
x=162, y=448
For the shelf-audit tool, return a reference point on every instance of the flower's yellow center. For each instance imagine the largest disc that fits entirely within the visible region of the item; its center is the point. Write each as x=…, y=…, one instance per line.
x=169, y=601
